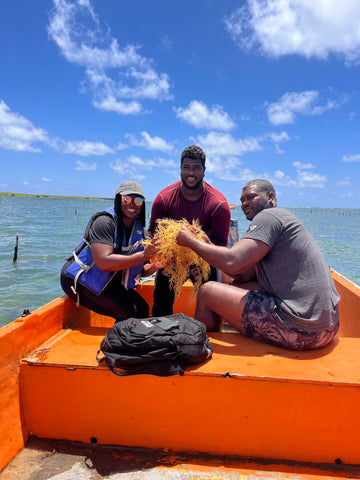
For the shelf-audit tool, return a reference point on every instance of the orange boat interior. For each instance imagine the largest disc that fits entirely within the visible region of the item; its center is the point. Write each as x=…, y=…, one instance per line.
x=250, y=399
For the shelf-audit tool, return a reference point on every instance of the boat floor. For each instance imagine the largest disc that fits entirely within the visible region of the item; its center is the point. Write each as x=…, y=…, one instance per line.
x=61, y=460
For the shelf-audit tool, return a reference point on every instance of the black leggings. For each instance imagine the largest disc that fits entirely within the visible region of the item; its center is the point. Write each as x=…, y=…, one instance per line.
x=115, y=301
x=164, y=296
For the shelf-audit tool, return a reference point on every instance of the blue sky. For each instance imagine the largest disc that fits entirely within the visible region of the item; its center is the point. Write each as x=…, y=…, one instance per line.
x=95, y=93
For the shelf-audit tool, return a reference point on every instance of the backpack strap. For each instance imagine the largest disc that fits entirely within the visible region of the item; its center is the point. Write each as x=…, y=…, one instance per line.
x=83, y=268
x=156, y=367
x=110, y=362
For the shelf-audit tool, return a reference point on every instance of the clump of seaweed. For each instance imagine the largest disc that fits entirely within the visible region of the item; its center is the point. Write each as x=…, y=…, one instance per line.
x=180, y=262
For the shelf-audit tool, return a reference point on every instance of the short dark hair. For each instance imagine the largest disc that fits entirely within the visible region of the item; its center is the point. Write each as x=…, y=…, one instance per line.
x=264, y=186
x=261, y=184
x=194, y=152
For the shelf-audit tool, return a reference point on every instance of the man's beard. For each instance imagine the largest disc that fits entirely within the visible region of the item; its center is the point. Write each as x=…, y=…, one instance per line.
x=194, y=187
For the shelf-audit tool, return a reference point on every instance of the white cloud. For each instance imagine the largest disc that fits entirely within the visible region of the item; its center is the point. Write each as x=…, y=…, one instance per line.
x=351, y=158
x=302, y=166
x=352, y=115
x=114, y=76
x=345, y=181
x=280, y=178
x=303, y=179
x=291, y=104
x=150, y=143
x=166, y=43
x=133, y=166
x=139, y=162
x=224, y=144
x=84, y=166
x=45, y=179
x=279, y=175
x=86, y=149
x=121, y=146
x=346, y=195
x=278, y=149
x=123, y=168
x=17, y=133
x=223, y=152
x=278, y=137
x=151, y=164
x=311, y=28
x=310, y=179
x=110, y=104
x=199, y=115
x=227, y=168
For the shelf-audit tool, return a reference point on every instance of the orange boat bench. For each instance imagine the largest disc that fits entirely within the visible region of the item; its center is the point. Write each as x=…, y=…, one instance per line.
x=250, y=399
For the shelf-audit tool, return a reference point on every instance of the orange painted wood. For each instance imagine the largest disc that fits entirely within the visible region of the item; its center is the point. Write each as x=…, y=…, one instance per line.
x=274, y=403
x=205, y=412
x=16, y=340
x=233, y=353
x=349, y=306
x=259, y=400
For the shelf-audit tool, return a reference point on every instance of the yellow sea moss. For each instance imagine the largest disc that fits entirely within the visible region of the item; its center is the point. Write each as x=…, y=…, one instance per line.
x=180, y=261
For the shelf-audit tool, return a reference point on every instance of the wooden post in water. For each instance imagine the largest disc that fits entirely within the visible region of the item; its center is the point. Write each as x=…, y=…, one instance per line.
x=16, y=248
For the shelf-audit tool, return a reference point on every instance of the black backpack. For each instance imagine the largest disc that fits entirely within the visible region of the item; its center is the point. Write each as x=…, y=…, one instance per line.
x=157, y=345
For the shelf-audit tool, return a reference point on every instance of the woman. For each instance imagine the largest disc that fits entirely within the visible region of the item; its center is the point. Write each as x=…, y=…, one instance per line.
x=107, y=265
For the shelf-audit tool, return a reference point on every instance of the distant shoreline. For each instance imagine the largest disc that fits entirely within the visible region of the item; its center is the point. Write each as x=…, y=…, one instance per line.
x=10, y=194
x=232, y=206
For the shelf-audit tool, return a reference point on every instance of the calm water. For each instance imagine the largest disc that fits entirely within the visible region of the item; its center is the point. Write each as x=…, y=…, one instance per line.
x=49, y=229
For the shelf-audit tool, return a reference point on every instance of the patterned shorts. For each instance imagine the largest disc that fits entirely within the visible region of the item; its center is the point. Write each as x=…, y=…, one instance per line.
x=261, y=322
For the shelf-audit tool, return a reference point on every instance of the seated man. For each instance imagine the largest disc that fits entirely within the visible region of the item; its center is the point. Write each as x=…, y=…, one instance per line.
x=293, y=303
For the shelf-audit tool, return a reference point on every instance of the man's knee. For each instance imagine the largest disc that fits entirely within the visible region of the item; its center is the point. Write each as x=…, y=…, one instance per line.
x=207, y=290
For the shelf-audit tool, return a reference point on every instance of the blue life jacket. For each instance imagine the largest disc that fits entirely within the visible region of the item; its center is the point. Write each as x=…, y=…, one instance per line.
x=132, y=275
x=84, y=270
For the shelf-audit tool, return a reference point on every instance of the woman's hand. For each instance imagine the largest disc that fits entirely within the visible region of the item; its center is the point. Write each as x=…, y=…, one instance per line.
x=150, y=268
x=151, y=250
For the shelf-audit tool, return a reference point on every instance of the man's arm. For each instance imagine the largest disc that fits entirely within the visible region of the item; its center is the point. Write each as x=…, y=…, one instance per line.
x=157, y=211
x=220, y=224
x=246, y=253
x=245, y=276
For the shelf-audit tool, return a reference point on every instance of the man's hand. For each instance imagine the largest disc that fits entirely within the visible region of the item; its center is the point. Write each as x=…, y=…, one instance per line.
x=184, y=237
x=206, y=239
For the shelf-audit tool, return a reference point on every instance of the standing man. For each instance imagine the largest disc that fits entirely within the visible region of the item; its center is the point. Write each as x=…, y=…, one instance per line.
x=294, y=303
x=191, y=198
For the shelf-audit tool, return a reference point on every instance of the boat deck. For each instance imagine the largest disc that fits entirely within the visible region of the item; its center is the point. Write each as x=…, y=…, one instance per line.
x=233, y=356
x=252, y=411
x=261, y=390
x=246, y=394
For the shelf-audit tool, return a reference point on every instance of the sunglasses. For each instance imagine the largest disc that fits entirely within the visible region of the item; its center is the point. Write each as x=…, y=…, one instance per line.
x=138, y=201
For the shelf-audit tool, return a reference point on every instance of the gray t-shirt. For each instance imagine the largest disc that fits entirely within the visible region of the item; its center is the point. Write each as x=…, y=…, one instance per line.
x=294, y=271
x=102, y=230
